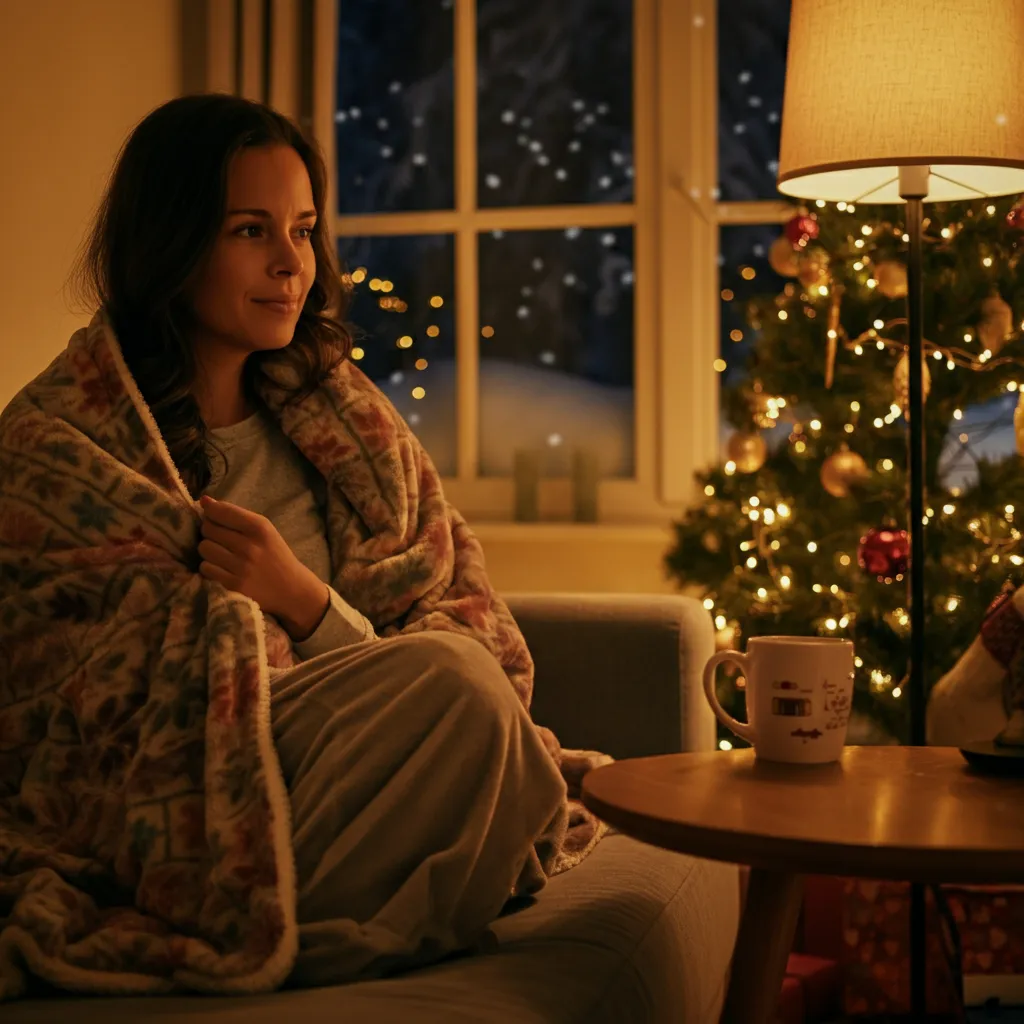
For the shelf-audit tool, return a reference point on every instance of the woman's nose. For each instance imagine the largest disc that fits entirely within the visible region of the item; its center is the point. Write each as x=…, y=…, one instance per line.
x=289, y=258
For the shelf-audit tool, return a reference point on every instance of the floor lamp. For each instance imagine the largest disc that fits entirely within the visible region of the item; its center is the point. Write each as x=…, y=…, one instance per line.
x=905, y=101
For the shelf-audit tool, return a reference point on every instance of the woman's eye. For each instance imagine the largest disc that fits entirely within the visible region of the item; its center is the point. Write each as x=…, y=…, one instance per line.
x=258, y=227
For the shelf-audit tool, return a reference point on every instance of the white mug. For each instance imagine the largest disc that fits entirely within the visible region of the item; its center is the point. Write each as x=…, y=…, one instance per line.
x=798, y=691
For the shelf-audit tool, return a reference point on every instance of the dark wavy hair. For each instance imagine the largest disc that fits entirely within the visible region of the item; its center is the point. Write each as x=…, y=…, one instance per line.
x=162, y=210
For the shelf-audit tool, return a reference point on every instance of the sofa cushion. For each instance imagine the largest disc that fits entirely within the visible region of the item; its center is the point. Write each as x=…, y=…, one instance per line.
x=634, y=933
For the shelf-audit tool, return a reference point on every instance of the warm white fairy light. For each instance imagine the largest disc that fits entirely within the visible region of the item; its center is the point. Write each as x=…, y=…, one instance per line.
x=812, y=546
x=897, y=691
x=958, y=414
x=859, y=244
x=844, y=560
x=865, y=229
x=855, y=406
x=834, y=588
x=720, y=622
x=751, y=562
x=729, y=468
x=952, y=604
x=815, y=424
x=987, y=261
x=1017, y=560
x=831, y=623
x=949, y=509
x=946, y=233
x=722, y=744
x=887, y=465
x=785, y=582
x=782, y=509
x=879, y=422
x=950, y=365
x=709, y=603
x=762, y=593
x=879, y=324
x=768, y=516
x=844, y=622
x=775, y=545
x=1009, y=510
x=746, y=545
x=871, y=282
x=754, y=515
x=858, y=350
x=816, y=588
x=783, y=315
x=754, y=501
x=709, y=490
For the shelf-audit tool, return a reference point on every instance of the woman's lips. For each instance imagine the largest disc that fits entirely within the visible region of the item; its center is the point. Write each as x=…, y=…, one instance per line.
x=278, y=307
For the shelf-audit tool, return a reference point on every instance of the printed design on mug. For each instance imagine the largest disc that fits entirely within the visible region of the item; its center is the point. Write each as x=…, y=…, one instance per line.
x=837, y=706
x=793, y=705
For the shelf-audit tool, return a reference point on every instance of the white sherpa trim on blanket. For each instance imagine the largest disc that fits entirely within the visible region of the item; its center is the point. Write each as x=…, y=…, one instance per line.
x=277, y=967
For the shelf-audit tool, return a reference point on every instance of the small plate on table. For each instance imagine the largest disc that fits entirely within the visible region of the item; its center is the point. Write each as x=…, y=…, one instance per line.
x=993, y=758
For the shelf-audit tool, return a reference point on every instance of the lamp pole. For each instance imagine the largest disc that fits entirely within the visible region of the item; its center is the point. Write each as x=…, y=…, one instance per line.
x=914, y=188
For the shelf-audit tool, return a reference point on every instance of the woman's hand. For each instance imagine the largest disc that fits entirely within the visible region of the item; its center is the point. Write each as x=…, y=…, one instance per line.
x=243, y=551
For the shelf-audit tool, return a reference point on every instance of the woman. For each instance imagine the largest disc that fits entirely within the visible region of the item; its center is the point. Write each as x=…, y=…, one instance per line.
x=421, y=794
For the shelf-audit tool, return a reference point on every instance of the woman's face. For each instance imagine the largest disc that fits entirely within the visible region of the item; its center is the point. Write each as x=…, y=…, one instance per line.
x=256, y=277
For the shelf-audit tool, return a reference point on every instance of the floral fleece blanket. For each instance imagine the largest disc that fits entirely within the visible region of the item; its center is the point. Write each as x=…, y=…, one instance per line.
x=145, y=838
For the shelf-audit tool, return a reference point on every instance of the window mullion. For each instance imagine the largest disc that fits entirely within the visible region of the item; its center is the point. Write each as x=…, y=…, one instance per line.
x=467, y=361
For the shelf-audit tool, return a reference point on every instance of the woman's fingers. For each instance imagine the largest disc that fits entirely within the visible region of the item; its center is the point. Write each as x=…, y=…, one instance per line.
x=222, y=557
x=234, y=517
x=234, y=541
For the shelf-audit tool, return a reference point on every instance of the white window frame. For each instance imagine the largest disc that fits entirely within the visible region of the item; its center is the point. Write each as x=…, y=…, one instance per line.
x=675, y=217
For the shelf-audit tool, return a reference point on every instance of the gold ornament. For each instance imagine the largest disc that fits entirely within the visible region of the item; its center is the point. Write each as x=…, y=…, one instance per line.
x=813, y=272
x=832, y=334
x=748, y=451
x=782, y=257
x=891, y=276
x=842, y=470
x=996, y=323
x=901, y=382
x=1018, y=423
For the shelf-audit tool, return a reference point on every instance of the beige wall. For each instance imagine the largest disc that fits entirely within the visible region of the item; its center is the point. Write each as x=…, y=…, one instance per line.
x=75, y=76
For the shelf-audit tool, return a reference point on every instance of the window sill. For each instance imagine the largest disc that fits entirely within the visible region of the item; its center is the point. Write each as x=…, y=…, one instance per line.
x=558, y=532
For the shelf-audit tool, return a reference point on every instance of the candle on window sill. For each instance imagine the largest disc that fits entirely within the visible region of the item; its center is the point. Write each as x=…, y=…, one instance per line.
x=526, y=472
x=585, y=476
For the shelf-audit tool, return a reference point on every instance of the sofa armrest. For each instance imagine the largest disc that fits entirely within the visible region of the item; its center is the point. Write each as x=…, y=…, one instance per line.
x=619, y=673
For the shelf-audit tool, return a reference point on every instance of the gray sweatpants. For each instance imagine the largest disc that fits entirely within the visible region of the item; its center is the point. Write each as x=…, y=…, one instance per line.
x=418, y=788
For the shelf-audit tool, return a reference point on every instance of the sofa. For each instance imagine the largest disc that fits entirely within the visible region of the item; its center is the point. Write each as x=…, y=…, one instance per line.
x=633, y=934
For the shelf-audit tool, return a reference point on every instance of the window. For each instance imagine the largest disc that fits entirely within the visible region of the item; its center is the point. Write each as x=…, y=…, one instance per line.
x=494, y=171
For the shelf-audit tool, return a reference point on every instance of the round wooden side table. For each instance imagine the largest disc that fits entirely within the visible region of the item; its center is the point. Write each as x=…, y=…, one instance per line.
x=913, y=814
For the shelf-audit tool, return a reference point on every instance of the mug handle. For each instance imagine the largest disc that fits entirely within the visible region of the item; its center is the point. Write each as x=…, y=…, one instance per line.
x=742, y=729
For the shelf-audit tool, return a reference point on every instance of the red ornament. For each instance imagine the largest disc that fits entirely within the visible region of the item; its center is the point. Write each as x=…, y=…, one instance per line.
x=800, y=230
x=1015, y=218
x=884, y=553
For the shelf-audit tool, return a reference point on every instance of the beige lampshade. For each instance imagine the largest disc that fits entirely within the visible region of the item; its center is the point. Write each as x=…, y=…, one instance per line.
x=873, y=85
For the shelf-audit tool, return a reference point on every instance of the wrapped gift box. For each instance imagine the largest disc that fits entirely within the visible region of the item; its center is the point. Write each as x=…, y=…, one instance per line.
x=876, y=940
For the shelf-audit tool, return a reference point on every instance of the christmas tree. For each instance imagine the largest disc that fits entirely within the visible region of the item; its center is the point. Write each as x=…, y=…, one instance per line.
x=803, y=530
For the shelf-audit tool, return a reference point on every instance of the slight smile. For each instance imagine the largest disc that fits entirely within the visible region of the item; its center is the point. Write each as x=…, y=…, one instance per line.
x=277, y=307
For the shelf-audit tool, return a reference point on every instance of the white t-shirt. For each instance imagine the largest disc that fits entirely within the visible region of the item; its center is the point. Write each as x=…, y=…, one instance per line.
x=267, y=474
